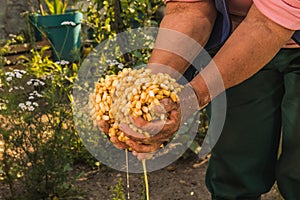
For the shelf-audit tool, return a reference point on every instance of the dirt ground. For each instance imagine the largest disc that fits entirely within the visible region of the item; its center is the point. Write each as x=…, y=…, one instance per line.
x=182, y=180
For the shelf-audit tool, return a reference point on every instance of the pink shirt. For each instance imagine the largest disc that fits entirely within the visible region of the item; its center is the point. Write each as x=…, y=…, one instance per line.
x=284, y=12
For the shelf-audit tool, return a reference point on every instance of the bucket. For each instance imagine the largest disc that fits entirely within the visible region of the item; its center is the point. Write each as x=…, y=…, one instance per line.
x=63, y=31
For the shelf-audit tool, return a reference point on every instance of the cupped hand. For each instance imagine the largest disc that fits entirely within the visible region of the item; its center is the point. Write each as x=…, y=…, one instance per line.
x=104, y=127
x=161, y=131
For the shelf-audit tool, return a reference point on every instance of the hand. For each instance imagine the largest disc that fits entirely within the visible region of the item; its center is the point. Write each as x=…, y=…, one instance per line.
x=161, y=131
x=104, y=127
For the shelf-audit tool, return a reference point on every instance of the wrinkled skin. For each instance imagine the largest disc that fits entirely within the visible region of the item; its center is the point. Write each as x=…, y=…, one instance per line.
x=160, y=131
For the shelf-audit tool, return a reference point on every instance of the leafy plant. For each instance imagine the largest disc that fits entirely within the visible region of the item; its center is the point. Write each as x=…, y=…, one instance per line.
x=55, y=7
x=6, y=47
x=107, y=18
x=117, y=192
x=39, y=138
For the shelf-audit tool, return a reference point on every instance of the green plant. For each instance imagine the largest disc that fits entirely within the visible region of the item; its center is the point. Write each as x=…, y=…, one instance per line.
x=117, y=192
x=55, y=7
x=6, y=46
x=62, y=29
x=40, y=143
x=107, y=18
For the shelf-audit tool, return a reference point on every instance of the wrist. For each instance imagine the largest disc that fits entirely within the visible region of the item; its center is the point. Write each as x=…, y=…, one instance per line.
x=201, y=91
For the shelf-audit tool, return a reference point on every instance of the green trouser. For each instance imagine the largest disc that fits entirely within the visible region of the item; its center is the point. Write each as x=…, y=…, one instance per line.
x=243, y=163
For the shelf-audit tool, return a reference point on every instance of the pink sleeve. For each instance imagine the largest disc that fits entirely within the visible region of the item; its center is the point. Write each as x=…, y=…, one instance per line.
x=182, y=0
x=284, y=12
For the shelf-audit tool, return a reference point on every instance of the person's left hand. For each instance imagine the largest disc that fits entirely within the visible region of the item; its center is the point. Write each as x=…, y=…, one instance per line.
x=161, y=130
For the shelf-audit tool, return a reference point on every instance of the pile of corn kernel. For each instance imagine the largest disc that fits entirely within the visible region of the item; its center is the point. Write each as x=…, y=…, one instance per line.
x=131, y=92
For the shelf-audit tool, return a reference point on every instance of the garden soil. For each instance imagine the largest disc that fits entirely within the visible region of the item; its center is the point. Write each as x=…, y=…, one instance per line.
x=182, y=180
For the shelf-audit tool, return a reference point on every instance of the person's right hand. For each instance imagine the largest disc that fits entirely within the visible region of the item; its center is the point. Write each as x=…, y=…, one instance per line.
x=161, y=131
x=104, y=127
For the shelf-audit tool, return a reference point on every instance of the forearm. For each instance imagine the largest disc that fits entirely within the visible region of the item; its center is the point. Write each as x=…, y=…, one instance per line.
x=184, y=29
x=252, y=45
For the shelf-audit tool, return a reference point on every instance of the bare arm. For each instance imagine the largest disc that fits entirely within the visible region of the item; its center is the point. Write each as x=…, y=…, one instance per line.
x=252, y=45
x=194, y=21
x=185, y=28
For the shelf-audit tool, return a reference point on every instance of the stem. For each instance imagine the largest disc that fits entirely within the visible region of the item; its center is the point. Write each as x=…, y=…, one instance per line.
x=7, y=169
x=65, y=3
x=127, y=174
x=41, y=7
x=146, y=179
x=117, y=11
x=119, y=27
